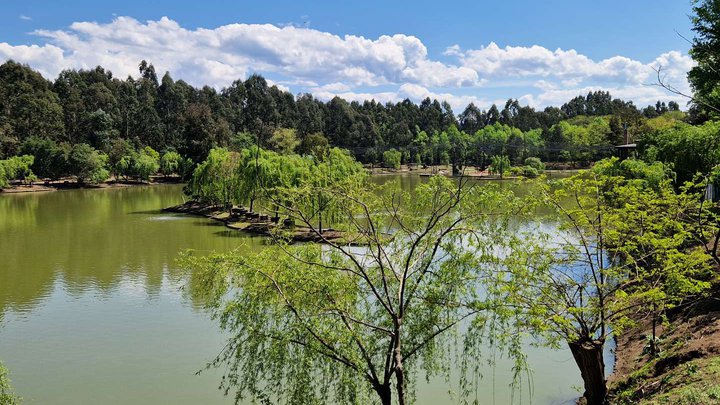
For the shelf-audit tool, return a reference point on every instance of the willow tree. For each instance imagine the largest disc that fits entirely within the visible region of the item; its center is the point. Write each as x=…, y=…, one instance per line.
x=315, y=196
x=257, y=169
x=216, y=180
x=620, y=249
x=345, y=322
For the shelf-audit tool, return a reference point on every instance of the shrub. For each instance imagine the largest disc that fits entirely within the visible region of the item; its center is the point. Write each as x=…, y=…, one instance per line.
x=535, y=163
x=391, y=159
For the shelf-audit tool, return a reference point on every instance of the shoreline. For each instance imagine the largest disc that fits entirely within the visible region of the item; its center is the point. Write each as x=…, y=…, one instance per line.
x=687, y=368
x=256, y=224
x=65, y=185
x=470, y=172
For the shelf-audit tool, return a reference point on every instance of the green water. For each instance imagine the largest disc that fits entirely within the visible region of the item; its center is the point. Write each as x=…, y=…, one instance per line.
x=92, y=307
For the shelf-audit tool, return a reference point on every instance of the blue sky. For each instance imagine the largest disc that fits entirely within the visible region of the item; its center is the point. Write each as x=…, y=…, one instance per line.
x=541, y=52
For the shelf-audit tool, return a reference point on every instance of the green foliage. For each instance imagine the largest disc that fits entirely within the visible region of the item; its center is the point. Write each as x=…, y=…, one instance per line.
x=143, y=164
x=284, y=141
x=530, y=172
x=688, y=149
x=226, y=178
x=146, y=164
x=7, y=396
x=170, y=163
x=337, y=323
x=50, y=158
x=242, y=140
x=16, y=168
x=621, y=251
x=499, y=165
x=315, y=144
x=705, y=52
x=3, y=178
x=87, y=164
x=215, y=180
x=635, y=171
x=535, y=163
x=391, y=159
x=93, y=107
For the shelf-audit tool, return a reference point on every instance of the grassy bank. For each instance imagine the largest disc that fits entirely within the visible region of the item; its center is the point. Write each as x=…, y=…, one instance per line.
x=687, y=369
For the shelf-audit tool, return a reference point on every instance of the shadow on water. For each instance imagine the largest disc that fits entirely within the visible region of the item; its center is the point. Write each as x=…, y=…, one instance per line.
x=233, y=234
x=208, y=222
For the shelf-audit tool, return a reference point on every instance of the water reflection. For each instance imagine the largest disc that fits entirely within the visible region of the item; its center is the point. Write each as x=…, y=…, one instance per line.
x=87, y=239
x=94, y=309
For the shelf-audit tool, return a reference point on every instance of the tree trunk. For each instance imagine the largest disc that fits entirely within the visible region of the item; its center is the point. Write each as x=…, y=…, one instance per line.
x=588, y=356
x=399, y=370
x=385, y=393
x=456, y=170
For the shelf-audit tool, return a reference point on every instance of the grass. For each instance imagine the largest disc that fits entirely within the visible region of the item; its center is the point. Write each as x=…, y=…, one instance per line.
x=696, y=382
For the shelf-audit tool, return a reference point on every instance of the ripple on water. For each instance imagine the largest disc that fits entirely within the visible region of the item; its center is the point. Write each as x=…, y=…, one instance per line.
x=164, y=218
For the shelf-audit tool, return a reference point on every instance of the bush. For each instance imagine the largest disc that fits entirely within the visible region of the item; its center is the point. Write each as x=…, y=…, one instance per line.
x=634, y=170
x=535, y=163
x=391, y=159
x=16, y=168
x=7, y=397
x=564, y=156
x=3, y=178
x=87, y=164
x=530, y=172
x=516, y=171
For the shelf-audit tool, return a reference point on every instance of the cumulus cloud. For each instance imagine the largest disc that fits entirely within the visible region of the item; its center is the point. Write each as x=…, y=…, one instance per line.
x=410, y=91
x=299, y=58
x=519, y=61
x=218, y=56
x=24, y=17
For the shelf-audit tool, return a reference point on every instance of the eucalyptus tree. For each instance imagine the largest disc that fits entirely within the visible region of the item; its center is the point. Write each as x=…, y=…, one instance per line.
x=348, y=321
x=620, y=249
x=459, y=146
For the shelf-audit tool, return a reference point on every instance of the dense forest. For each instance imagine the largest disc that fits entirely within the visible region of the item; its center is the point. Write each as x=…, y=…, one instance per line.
x=89, y=121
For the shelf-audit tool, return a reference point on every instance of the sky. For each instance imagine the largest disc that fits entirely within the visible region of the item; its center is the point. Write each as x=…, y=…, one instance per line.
x=540, y=52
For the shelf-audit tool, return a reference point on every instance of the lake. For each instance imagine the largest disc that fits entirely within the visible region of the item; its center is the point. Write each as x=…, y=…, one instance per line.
x=93, y=308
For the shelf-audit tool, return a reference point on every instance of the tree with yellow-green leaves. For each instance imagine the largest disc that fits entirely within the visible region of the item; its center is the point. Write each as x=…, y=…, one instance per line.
x=7, y=396
x=622, y=249
x=357, y=321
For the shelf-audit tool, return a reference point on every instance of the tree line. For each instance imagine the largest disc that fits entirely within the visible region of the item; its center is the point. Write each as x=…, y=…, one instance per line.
x=95, y=108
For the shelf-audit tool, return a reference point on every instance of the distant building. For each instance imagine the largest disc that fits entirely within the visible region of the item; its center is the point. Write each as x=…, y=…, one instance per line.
x=627, y=149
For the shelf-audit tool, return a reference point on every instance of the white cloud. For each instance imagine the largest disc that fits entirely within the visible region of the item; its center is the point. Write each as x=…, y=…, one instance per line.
x=218, y=56
x=491, y=61
x=350, y=66
x=24, y=17
x=414, y=92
